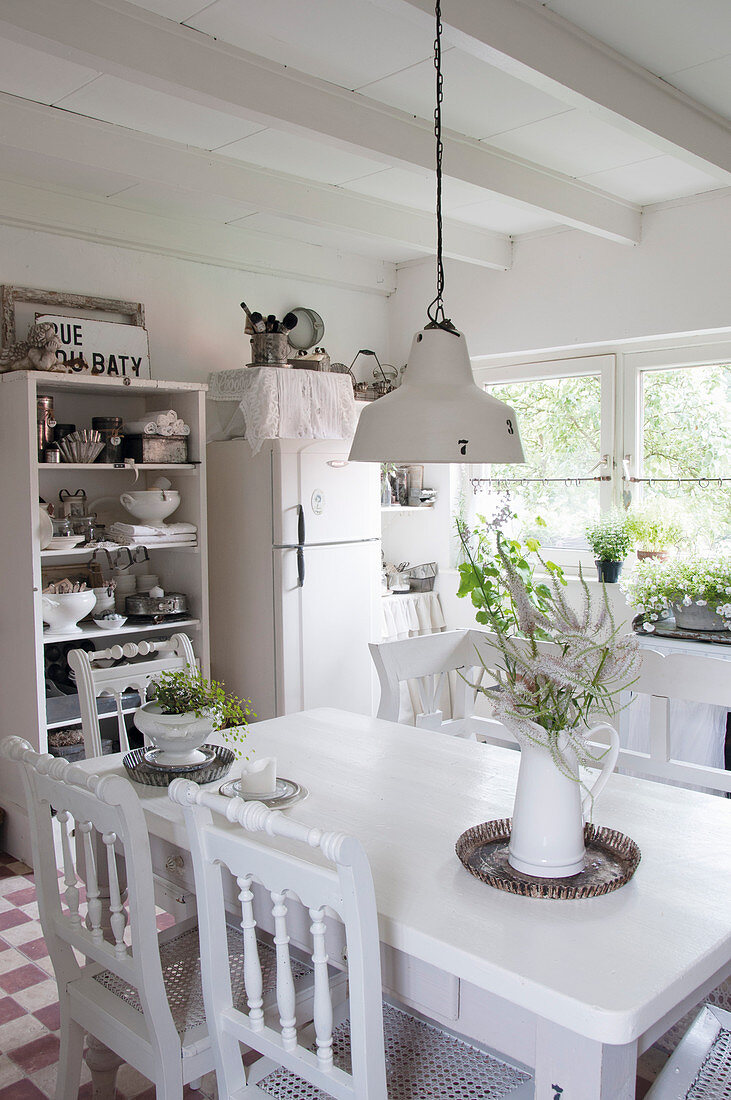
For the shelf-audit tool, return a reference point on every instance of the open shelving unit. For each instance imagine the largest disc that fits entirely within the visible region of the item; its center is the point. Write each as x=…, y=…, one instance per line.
x=181, y=568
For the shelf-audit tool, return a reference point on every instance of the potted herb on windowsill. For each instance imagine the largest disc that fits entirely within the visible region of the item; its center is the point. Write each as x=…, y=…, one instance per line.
x=653, y=535
x=185, y=710
x=610, y=542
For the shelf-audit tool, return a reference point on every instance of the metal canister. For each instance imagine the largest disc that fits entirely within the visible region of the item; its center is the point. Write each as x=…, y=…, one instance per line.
x=269, y=349
x=45, y=422
x=110, y=429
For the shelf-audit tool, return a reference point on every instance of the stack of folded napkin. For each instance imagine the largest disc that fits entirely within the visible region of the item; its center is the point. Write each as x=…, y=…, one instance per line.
x=165, y=423
x=162, y=534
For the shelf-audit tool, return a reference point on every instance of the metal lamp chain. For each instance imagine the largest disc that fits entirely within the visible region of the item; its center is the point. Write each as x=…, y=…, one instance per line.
x=435, y=311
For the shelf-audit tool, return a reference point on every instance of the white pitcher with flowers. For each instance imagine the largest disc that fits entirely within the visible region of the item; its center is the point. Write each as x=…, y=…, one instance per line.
x=561, y=678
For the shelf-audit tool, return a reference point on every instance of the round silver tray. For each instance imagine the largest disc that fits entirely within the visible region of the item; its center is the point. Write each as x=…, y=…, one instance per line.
x=287, y=792
x=611, y=860
x=154, y=775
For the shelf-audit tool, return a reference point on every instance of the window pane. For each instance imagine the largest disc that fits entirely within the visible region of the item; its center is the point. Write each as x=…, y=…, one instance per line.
x=559, y=420
x=686, y=425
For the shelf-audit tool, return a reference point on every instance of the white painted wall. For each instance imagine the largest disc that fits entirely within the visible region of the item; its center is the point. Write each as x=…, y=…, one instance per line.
x=568, y=289
x=564, y=291
x=192, y=309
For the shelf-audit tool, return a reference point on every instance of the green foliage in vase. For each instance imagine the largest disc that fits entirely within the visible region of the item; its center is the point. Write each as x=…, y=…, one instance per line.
x=544, y=692
x=482, y=575
x=186, y=691
x=609, y=538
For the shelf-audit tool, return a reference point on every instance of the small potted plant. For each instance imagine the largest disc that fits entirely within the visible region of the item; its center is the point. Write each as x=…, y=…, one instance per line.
x=653, y=535
x=610, y=540
x=696, y=590
x=184, y=710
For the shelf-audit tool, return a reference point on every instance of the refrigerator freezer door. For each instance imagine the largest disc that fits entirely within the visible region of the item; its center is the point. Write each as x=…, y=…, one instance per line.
x=323, y=628
x=339, y=500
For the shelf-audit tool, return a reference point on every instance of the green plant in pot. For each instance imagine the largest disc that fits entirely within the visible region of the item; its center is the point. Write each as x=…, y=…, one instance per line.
x=184, y=711
x=653, y=533
x=610, y=541
x=697, y=590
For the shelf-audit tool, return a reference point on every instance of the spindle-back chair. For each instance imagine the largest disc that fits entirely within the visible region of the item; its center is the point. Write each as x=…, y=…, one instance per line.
x=167, y=654
x=342, y=1056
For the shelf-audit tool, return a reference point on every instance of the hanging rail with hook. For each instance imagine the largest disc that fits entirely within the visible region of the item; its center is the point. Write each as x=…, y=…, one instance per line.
x=703, y=482
x=478, y=483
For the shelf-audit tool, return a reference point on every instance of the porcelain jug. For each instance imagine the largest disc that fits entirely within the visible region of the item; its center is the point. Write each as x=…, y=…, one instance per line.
x=547, y=834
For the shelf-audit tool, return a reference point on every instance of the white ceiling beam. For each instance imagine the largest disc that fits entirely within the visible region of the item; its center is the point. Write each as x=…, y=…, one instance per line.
x=69, y=215
x=534, y=44
x=52, y=132
x=129, y=42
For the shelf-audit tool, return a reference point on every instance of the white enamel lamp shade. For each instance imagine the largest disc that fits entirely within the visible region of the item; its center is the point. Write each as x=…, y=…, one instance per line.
x=437, y=414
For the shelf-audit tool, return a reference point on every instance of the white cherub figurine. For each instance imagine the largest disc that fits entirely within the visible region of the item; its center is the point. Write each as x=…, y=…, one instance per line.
x=36, y=352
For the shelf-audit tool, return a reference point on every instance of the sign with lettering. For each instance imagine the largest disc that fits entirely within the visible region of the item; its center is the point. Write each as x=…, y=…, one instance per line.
x=103, y=348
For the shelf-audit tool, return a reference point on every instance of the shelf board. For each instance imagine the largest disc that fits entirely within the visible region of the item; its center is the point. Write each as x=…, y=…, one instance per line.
x=84, y=552
x=143, y=467
x=88, y=630
x=398, y=509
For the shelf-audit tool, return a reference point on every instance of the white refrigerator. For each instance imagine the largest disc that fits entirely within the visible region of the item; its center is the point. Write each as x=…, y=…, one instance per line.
x=294, y=566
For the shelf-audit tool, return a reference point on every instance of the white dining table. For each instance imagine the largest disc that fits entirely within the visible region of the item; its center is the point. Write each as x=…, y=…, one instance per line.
x=572, y=989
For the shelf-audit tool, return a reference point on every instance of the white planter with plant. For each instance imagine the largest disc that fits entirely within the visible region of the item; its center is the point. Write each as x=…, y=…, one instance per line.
x=554, y=700
x=696, y=590
x=183, y=713
x=610, y=541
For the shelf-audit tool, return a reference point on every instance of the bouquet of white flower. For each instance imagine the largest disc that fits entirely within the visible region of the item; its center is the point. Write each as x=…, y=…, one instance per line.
x=558, y=691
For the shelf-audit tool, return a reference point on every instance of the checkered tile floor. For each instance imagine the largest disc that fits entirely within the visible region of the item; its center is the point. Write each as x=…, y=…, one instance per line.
x=29, y=1017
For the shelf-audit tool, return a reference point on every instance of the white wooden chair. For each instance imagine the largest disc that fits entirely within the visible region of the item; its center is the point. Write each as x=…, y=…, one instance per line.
x=441, y=668
x=377, y=1051
x=138, y=993
x=700, y=1068
x=678, y=676
x=92, y=681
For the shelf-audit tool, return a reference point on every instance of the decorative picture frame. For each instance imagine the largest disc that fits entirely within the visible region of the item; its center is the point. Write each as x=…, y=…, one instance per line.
x=85, y=304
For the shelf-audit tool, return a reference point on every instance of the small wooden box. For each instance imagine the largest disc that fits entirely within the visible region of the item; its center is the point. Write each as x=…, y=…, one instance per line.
x=156, y=448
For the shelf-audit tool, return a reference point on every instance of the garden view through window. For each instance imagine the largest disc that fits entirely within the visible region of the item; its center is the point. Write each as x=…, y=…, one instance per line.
x=560, y=426
x=686, y=433
x=675, y=424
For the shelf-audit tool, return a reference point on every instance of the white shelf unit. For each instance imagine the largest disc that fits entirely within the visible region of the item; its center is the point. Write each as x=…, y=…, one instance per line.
x=25, y=480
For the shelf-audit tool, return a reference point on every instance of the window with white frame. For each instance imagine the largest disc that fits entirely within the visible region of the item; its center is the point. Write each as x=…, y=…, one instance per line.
x=678, y=432
x=641, y=428
x=565, y=410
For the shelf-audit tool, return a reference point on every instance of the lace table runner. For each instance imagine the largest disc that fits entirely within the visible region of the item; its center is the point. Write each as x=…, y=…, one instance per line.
x=284, y=403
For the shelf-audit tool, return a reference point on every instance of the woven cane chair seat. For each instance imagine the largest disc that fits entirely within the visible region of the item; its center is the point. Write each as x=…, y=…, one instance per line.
x=714, y=1077
x=421, y=1061
x=181, y=972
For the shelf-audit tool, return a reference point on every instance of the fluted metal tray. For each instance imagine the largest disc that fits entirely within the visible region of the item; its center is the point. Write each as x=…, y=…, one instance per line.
x=154, y=775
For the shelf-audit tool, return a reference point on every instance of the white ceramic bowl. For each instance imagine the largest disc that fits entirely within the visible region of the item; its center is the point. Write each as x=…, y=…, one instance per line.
x=177, y=735
x=63, y=610
x=151, y=505
x=111, y=624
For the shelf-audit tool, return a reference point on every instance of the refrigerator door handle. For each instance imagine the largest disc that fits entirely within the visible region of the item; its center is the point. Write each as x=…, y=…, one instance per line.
x=300, y=566
x=301, y=525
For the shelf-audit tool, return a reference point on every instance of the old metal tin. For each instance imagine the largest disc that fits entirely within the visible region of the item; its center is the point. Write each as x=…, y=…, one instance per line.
x=173, y=603
x=45, y=423
x=110, y=429
x=156, y=448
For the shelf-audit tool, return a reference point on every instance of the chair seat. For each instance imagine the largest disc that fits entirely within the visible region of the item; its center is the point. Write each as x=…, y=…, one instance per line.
x=421, y=1061
x=181, y=972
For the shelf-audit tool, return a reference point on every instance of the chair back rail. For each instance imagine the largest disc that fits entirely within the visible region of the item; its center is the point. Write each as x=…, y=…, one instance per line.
x=92, y=682
x=327, y=872
x=662, y=676
x=105, y=848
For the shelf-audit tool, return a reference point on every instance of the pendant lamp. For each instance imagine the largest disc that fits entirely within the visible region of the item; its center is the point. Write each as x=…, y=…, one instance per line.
x=438, y=413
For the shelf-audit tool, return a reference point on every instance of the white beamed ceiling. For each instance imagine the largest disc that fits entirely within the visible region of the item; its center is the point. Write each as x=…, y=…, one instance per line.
x=366, y=54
